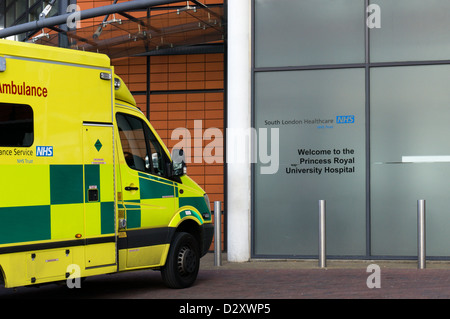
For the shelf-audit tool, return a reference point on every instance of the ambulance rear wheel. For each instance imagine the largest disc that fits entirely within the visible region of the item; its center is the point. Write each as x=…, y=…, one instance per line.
x=183, y=262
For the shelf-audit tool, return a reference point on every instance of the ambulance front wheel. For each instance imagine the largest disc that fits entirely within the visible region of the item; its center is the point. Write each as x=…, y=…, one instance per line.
x=183, y=262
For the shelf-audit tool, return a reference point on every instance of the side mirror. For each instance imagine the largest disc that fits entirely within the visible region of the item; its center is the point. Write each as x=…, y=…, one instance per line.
x=178, y=162
x=147, y=163
x=155, y=161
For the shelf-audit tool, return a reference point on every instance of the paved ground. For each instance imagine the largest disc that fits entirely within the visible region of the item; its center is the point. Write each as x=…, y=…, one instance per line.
x=259, y=280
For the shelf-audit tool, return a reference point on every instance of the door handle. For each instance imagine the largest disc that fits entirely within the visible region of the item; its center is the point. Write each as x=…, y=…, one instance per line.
x=131, y=188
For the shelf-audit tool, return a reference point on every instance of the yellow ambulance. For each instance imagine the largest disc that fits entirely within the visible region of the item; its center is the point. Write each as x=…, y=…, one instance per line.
x=86, y=184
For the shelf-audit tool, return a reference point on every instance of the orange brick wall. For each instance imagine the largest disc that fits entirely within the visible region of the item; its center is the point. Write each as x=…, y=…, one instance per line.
x=184, y=89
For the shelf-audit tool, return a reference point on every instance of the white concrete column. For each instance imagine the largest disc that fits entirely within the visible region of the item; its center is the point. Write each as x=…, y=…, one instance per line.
x=238, y=131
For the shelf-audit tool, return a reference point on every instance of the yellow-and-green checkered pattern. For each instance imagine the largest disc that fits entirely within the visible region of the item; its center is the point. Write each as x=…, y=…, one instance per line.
x=50, y=202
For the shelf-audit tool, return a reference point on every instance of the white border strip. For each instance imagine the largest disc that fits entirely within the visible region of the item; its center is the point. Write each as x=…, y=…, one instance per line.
x=426, y=159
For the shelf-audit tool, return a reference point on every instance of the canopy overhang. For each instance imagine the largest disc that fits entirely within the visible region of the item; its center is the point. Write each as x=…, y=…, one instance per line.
x=124, y=34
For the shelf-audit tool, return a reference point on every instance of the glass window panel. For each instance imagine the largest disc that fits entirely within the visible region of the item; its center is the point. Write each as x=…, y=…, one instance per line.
x=21, y=8
x=141, y=148
x=53, y=11
x=305, y=106
x=34, y=13
x=411, y=30
x=395, y=191
x=134, y=145
x=410, y=152
x=308, y=32
x=409, y=111
x=9, y=16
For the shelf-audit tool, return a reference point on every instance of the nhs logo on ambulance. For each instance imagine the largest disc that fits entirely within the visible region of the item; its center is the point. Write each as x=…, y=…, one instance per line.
x=44, y=151
x=345, y=119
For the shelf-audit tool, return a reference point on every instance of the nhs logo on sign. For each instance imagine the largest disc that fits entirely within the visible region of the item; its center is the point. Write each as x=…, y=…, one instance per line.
x=44, y=151
x=345, y=119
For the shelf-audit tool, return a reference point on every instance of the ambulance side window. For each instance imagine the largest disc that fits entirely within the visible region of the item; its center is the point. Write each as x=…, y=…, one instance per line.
x=16, y=125
x=141, y=149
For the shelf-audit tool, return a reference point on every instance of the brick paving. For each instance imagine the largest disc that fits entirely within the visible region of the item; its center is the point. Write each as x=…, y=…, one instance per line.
x=262, y=280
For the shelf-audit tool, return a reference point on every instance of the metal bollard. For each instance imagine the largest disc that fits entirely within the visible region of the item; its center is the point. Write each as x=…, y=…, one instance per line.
x=421, y=234
x=217, y=234
x=322, y=234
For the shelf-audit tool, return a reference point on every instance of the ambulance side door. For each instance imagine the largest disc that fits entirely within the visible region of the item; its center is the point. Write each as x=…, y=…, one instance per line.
x=99, y=206
x=148, y=197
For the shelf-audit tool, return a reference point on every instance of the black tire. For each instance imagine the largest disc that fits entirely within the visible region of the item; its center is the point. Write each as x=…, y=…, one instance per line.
x=183, y=262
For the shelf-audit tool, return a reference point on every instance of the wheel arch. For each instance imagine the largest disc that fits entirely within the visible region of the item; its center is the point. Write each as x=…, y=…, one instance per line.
x=189, y=220
x=2, y=277
x=192, y=227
